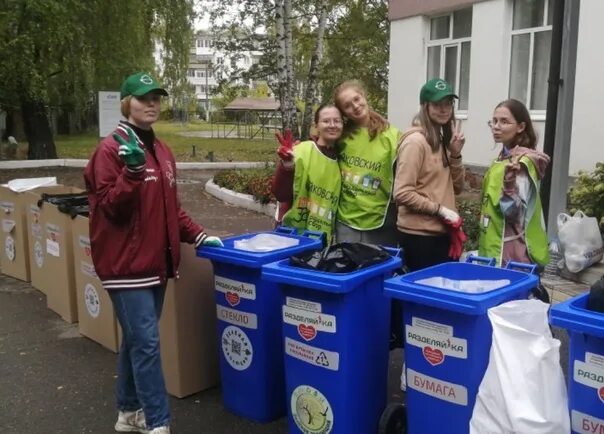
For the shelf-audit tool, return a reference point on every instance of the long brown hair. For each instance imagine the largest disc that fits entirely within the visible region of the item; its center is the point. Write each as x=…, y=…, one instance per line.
x=527, y=138
x=377, y=123
x=435, y=134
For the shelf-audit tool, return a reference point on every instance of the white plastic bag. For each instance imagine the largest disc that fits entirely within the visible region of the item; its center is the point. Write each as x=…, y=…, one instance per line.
x=523, y=389
x=468, y=286
x=25, y=184
x=265, y=243
x=580, y=239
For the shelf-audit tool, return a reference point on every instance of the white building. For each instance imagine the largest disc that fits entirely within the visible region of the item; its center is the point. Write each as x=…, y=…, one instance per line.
x=491, y=50
x=207, y=66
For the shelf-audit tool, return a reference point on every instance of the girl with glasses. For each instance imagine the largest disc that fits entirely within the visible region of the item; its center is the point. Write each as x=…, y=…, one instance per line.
x=307, y=180
x=511, y=223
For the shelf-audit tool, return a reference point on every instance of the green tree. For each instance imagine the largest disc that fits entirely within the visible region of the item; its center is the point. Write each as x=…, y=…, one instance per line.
x=58, y=53
x=357, y=47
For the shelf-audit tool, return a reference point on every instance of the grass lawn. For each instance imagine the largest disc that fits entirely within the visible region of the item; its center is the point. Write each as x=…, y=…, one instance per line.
x=230, y=149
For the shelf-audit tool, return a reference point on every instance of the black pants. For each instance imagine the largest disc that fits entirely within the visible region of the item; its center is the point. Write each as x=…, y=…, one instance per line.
x=421, y=251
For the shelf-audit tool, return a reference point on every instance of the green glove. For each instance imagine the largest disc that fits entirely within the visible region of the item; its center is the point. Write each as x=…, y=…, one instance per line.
x=129, y=151
x=210, y=241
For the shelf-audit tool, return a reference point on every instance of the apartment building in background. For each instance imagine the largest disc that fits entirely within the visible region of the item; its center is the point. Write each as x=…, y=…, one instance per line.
x=207, y=66
x=491, y=50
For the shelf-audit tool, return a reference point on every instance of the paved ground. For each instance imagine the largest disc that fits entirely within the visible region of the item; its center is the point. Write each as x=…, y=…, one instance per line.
x=52, y=380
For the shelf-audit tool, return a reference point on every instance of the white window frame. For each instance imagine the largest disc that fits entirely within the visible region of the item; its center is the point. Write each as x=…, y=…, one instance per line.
x=444, y=43
x=535, y=114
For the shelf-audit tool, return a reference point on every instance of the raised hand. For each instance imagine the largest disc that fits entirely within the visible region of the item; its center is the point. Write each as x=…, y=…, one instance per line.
x=285, y=150
x=458, y=139
x=129, y=151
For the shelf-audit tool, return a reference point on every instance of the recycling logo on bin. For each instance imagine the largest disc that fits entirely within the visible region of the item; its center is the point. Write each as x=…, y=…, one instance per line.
x=436, y=341
x=234, y=290
x=311, y=410
x=237, y=348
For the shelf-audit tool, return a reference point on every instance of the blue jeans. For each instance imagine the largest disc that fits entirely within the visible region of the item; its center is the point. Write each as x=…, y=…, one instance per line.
x=140, y=380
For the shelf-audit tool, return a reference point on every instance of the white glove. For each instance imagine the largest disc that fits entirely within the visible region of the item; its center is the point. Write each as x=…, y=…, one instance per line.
x=288, y=164
x=204, y=240
x=448, y=215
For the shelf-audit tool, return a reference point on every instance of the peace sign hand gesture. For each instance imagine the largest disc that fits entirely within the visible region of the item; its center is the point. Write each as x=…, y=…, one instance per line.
x=285, y=150
x=458, y=139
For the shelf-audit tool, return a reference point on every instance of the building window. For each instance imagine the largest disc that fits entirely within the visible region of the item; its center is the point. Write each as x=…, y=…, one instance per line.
x=448, y=51
x=531, y=44
x=200, y=73
x=190, y=73
x=199, y=43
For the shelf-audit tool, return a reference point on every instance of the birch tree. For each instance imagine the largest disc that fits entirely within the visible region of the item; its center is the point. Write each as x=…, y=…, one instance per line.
x=310, y=97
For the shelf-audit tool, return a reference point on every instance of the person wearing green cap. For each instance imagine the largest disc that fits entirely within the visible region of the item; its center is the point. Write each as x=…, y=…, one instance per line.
x=136, y=227
x=429, y=173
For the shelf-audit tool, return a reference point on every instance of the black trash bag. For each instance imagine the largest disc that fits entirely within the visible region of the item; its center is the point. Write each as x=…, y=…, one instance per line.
x=595, y=299
x=341, y=257
x=68, y=203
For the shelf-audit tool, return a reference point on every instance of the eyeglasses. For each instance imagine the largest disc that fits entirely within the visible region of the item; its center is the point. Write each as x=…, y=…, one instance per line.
x=503, y=123
x=149, y=97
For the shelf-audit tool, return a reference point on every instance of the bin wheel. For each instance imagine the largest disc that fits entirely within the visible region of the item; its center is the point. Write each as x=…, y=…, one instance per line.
x=393, y=420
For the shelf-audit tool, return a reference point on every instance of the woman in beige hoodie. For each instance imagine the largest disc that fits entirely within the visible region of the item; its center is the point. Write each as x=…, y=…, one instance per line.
x=428, y=175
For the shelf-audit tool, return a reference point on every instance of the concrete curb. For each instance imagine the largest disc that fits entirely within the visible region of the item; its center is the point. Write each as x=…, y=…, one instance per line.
x=239, y=199
x=70, y=162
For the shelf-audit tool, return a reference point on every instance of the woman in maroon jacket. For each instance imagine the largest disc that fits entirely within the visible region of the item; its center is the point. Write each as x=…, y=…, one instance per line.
x=136, y=226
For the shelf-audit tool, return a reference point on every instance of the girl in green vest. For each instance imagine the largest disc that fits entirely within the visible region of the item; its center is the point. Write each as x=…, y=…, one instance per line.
x=512, y=226
x=428, y=175
x=307, y=180
x=366, y=154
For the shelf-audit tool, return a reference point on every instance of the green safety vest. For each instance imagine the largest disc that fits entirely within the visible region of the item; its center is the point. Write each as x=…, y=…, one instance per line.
x=367, y=177
x=317, y=185
x=492, y=222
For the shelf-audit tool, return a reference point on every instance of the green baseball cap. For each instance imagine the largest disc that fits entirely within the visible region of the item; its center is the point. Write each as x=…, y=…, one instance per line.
x=434, y=90
x=140, y=84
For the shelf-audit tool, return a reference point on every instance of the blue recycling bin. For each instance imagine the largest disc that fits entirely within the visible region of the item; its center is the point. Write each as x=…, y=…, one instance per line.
x=586, y=362
x=336, y=330
x=249, y=334
x=448, y=339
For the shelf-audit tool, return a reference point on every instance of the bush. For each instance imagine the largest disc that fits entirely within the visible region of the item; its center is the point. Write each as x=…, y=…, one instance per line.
x=256, y=182
x=469, y=210
x=587, y=194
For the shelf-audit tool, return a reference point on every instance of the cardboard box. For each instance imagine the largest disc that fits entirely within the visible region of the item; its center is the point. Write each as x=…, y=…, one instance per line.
x=96, y=317
x=51, y=255
x=189, y=344
x=14, y=257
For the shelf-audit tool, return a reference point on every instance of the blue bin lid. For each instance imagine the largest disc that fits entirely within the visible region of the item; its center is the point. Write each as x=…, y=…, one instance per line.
x=572, y=314
x=338, y=283
x=229, y=254
x=405, y=287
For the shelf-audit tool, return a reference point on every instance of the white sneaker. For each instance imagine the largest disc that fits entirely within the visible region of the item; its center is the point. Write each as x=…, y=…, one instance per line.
x=131, y=421
x=160, y=430
x=404, y=379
